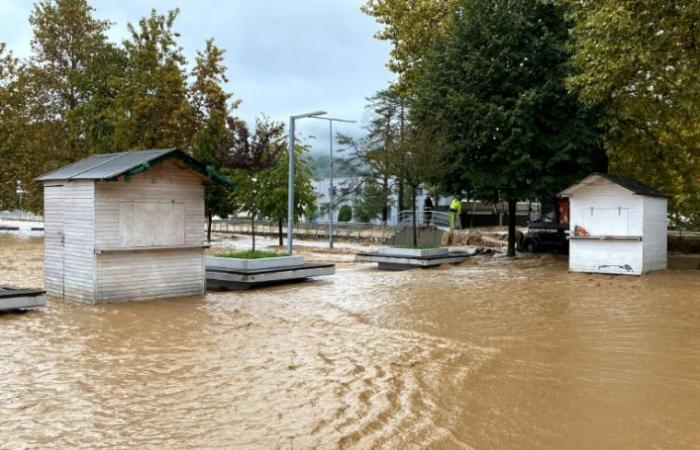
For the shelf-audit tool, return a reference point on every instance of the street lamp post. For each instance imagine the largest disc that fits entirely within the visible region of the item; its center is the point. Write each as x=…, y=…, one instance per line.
x=20, y=192
x=290, y=188
x=332, y=191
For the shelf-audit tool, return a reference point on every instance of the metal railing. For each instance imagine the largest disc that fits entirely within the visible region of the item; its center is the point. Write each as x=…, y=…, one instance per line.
x=349, y=231
x=23, y=216
x=426, y=219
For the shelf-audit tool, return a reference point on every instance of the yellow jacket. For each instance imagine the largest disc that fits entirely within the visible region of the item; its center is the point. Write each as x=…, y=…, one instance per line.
x=456, y=206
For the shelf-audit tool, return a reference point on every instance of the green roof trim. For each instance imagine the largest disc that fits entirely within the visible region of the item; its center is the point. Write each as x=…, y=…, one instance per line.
x=206, y=171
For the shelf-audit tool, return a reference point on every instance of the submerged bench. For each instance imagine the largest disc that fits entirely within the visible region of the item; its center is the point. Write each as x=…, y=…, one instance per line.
x=16, y=298
x=237, y=274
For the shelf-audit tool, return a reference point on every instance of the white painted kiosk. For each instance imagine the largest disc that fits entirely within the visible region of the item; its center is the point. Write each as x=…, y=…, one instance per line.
x=617, y=225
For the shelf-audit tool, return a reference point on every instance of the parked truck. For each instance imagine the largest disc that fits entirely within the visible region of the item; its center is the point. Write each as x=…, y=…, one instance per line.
x=548, y=232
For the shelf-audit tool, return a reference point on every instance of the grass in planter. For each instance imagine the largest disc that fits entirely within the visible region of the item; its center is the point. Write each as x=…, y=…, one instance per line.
x=248, y=254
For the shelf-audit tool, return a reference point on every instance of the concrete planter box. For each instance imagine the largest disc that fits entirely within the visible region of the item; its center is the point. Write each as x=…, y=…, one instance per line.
x=254, y=264
x=413, y=252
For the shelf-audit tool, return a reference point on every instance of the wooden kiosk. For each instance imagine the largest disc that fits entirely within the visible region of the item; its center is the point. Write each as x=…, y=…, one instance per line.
x=125, y=226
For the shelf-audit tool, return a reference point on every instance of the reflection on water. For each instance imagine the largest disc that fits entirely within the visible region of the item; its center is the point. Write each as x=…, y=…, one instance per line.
x=488, y=354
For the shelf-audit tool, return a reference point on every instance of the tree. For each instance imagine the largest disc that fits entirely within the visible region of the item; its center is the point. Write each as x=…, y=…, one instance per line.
x=211, y=105
x=252, y=156
x=640, y=62
x=417, y=161
x=345, y=214
x=70, y=53
x=64, y=88
x=151, y=108
x=370, y=156
x=275, y=185
x=412, y=26
x=15, y=161
x=494, y=89
x=370, y=203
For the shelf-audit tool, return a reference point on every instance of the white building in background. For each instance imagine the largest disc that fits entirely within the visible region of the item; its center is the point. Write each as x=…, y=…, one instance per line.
x=617, y=225
x=349, y=188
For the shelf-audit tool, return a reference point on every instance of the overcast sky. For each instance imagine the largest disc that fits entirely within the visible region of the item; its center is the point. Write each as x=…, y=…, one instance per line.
x=284, y=57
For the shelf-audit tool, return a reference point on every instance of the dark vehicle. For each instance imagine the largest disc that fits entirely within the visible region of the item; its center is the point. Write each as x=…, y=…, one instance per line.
x=548, y=234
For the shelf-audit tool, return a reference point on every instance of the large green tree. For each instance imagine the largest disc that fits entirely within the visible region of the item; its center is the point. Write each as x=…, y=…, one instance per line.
x=640, y=62
x=151, y=107
x=251, y=156
x=493, y=87
x=70, y=70
x=412, y=27
x=211, y=105
x=16, y=160
x=56, y=113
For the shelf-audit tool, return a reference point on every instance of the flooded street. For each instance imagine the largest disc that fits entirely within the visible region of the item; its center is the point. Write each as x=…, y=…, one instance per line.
x=488, y=354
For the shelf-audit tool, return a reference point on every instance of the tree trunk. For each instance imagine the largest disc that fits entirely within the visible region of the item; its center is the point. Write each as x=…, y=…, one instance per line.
x=279, y=229
x=385, y=192
x=511, y=227
x=252, y=228
x=415, y=224
x=209, y=219
x=400, y=195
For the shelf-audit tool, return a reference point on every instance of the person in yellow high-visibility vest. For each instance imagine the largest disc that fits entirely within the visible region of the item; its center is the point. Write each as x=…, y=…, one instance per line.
x=455, y=211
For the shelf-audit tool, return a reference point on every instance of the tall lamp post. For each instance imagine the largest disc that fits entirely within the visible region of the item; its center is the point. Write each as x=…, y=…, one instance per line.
x=290, y=189
x=20, y=192
x=332, y=191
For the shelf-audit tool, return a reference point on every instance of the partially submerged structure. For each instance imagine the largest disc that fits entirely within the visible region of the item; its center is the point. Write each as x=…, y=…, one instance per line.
x=397, y=258
x=17, y=298
x=125, y=226
x=617, y=225
x=239, y=274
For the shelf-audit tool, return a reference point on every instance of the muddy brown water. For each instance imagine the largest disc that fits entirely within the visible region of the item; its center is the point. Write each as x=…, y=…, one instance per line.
x=487, y=354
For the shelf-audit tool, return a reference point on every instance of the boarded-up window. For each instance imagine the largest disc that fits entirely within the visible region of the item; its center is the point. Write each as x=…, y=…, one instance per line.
x=151, y=224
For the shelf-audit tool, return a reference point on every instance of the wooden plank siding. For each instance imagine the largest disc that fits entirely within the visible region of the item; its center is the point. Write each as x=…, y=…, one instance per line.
x=155, y=273
x=69, y=235
x=152, y=274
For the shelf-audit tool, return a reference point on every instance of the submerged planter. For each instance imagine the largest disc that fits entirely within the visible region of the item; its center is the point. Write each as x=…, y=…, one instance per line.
x=398, y=258
x=255, y=264
x=238, y=273
x=413, y=252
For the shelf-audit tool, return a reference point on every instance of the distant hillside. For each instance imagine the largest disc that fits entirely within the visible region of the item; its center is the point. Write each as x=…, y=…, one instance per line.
x=321, y=167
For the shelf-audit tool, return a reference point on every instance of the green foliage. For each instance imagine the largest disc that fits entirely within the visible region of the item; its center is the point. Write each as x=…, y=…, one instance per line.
x=320, y=165
x=412, y=26
x=55, y=100
x=248, y=254
x=151, y=106
x=260, y=169
x=494, y=89
x=370, y=203
x=211, y=105
x=15, y=163
x=345, y=214
x=80, y=94
x=273, y=197
x=640, y=62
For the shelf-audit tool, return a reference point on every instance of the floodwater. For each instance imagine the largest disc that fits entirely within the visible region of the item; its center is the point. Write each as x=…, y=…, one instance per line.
x=488, y=354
